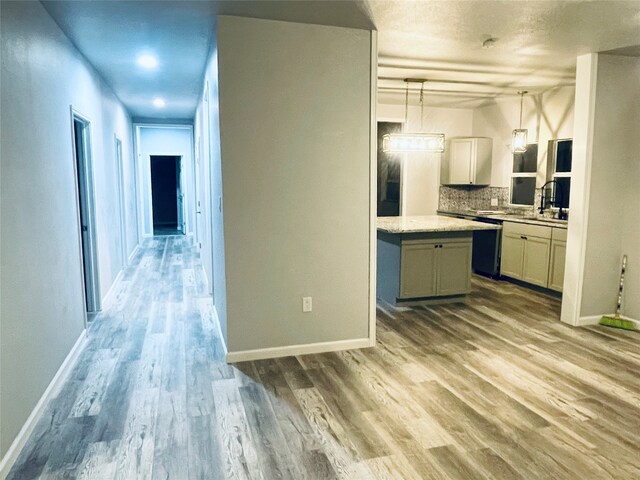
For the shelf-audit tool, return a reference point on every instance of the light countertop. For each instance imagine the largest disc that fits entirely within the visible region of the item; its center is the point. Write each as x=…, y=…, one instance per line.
x=505, y=217
x=430, y=223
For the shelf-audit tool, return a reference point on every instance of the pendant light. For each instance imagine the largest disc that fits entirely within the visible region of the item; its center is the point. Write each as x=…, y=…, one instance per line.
x=413, y=142
x=519, y=135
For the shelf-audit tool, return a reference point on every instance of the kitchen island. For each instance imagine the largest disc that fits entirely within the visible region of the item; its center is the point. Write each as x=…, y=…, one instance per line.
x=425, y=259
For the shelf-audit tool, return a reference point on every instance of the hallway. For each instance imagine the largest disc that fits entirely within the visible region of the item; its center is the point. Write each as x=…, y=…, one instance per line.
x=450, y=392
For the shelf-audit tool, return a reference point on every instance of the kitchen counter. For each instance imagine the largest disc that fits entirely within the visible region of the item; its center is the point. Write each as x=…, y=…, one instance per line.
x=426, y=259
x=429, y=224
x=508, y=217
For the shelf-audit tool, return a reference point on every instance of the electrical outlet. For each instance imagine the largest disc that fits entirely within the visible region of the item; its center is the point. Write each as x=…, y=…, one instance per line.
x=307, y=306
x=494, y=202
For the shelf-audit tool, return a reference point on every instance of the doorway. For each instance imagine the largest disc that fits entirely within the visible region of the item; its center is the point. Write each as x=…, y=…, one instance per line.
x=389, y=174
x=85, y=202
x=167, y=199
x=121, y=202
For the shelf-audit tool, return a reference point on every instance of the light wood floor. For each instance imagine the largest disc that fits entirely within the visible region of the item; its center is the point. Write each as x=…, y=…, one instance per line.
x=496, y=389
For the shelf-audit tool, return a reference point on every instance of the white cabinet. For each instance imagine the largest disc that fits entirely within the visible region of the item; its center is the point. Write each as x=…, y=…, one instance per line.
x=467, y=161
x=534, y=254
x=557, y=258
x=435, y=267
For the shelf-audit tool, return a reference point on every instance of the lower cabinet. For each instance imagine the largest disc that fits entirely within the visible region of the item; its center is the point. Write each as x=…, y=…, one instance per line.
x=431, y=268
x=530, y=254
x=557, y=259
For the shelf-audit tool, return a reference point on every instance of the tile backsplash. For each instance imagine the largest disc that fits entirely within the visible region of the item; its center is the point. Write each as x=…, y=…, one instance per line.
x=466, y=197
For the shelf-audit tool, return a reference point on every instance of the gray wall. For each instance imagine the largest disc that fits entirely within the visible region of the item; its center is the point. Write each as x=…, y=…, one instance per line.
x=212, y=165
x=614, y=198
x=42, y=310
x=295, y=116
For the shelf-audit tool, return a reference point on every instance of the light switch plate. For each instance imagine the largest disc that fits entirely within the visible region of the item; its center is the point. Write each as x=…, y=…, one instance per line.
x=494, y=202
x=307, y=305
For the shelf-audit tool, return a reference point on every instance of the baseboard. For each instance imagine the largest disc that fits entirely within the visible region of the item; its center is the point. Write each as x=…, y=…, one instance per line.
x=58, y=380
x=595, y=319
x=322, y=347
x=133, y=254
x=107, y=298
x=590, y=320
x=222, y=339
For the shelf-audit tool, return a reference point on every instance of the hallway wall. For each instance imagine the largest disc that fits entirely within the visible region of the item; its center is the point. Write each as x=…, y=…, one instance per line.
x=42, y=310
x=297, y=192
x=210, y=171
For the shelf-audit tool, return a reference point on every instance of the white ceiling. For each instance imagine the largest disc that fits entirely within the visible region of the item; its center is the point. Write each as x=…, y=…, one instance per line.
x=441, y=41
x=536, y=48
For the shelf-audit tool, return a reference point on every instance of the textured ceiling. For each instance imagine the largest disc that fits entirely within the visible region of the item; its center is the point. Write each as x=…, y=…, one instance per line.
x=536, y=48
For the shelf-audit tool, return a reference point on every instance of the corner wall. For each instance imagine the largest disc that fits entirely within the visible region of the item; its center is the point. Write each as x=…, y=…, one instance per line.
x=42, y=311
x=295, y=120
x=209, y=190
x=609, y=159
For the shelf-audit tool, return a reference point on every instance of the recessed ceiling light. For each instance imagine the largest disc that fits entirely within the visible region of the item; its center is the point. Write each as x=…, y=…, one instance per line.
x=147, y=61
x=159, y=102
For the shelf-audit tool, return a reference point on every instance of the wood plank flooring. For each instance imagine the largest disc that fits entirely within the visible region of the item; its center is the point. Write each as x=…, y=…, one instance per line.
x=496, y=389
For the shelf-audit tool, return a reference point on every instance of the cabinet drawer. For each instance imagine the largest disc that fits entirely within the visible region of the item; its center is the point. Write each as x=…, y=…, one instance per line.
x=524, y=229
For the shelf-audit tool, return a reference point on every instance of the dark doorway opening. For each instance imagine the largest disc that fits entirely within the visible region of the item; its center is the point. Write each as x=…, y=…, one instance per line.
x=389, y=172
x=166, y=195
x=84, y=183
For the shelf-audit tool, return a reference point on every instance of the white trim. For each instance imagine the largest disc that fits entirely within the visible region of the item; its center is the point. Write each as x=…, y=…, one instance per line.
x=373, y=197
x=133, y=254
x=595, y=319
x=590, y=320
x=91, y=257
x=58, y=380
x=106, y=300
x=291, y=350
x=222, y=339
x=571, y=305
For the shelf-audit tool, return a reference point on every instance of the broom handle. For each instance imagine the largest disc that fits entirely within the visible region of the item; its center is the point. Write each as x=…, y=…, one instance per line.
x=624, y=267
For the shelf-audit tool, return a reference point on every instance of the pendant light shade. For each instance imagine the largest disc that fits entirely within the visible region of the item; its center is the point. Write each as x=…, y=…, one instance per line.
x=519, y=135
x=413, y=142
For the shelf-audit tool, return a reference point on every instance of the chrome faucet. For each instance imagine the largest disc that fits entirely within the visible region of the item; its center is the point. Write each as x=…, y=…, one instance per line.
x=554, y=200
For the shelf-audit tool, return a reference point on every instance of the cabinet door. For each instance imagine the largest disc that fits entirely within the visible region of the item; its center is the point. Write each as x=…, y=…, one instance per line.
x=536, y=261
x=556, y=265
x=418, y=270
x=460, y=162
x=512, y=255
x=454, y=269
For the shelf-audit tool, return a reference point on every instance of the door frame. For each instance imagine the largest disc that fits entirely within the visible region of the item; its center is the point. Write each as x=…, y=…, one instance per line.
x=88, y=260
x=180, y=155
x=121, y=199
x=143, y=177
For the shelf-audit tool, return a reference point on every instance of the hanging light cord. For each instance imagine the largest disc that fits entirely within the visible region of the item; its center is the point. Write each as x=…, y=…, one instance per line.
x=422, y=107
x=406, y=104
x=521, y=98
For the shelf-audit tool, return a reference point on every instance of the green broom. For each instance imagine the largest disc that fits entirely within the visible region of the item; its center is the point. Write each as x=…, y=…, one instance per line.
x=616, y=321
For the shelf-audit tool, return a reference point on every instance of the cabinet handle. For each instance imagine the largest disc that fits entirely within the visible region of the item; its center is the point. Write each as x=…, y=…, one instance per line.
x=523, y=237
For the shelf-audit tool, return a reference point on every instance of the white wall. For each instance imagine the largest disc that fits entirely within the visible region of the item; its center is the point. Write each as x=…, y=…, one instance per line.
x=547, y=116
x=606, y=196
x=210, y=193
x=421, y=172
x=295, y=119
x=164, y=140
x=42, y=310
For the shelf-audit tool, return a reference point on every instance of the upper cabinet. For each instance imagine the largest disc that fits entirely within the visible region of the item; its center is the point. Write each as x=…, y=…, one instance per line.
x=467, y=161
